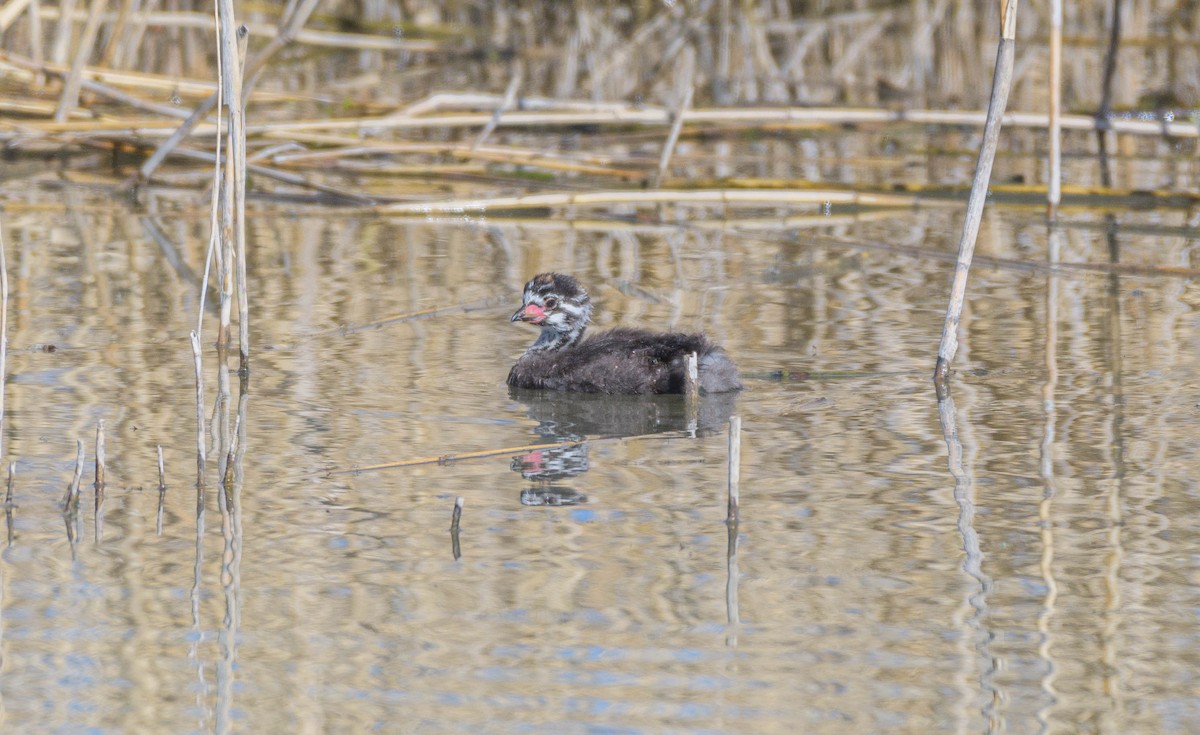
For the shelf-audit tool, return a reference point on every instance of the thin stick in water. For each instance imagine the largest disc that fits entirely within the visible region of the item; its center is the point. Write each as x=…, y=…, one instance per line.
x=691, y=378
x=200, y=447
x=162, y=493
x=1001, y=82
x=3, y=335
x=455, y=517
x=1054, y=185
x=685, y=73
x=71, y=499
x=100, y=463
x=9, y=505
x=735, y=462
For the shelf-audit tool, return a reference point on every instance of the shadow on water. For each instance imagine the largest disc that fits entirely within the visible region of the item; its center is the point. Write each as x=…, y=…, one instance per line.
x=565, y=417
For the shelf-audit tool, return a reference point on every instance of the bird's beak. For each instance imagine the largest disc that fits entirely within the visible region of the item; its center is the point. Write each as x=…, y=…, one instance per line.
x=529, y=313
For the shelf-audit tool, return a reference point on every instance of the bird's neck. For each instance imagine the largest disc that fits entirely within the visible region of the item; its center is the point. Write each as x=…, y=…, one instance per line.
x=553, y=339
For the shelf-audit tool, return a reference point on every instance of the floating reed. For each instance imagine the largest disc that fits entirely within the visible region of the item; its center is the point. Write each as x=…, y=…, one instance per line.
x=715, y=196
x=1001, y=82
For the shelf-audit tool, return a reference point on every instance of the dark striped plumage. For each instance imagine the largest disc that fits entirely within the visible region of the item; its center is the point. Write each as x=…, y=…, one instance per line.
x=616, y=361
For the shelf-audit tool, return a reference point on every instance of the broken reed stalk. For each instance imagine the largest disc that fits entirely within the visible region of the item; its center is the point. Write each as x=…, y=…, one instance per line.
x=735, y=469
x=1001, y=82
x=510, y=97
x=9, y=505
x=100, y=464
x=685, y=74
x=71, y=499
x=200, y=442
x=233, y=446
x=70, y=92
x=691, y=378
x=455, y=517
x=162, y=492
x=1054, y=185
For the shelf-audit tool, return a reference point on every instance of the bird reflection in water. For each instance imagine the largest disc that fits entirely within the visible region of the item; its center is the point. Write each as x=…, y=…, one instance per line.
x=575, y=417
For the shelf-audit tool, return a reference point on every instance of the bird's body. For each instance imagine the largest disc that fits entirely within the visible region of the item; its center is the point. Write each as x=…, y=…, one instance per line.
x=616, y=361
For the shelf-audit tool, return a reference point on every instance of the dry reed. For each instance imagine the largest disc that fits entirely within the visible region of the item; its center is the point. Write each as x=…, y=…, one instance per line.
x=1001, y=82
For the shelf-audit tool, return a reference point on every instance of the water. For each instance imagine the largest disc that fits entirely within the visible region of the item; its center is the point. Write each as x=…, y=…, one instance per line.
x=1019, y=559
x=1046, y=584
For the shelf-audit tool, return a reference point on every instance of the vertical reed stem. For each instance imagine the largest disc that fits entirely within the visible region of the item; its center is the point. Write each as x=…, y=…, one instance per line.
x=200, y=448
x=685, y=87
x=62, y=36
x=162, y=493
x=9, y=505
x=71, y=499
x=3, y=333
x=691, y=377
x=1001, y=82
x=1054, y=187
x=100, y=463
x=70, y=93
x=735, y=462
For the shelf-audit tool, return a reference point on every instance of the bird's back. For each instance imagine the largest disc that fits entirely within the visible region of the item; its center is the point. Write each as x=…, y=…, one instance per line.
x=627, y=361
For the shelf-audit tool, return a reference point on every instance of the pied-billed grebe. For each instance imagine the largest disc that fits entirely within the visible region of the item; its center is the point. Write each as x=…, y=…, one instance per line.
x=616, y=361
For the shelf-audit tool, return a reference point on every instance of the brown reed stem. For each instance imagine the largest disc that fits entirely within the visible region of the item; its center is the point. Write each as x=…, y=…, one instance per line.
x=71, y=499
x=233, y=447
x=70, y=93
x=1001, y=82
x=100, y=464
x=455, y=517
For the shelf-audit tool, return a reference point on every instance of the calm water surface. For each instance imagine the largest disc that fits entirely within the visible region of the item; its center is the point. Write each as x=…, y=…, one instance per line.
x=1040, y=575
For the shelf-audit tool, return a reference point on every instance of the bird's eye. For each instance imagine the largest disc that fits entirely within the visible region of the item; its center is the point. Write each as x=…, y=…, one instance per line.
x=551, y=302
